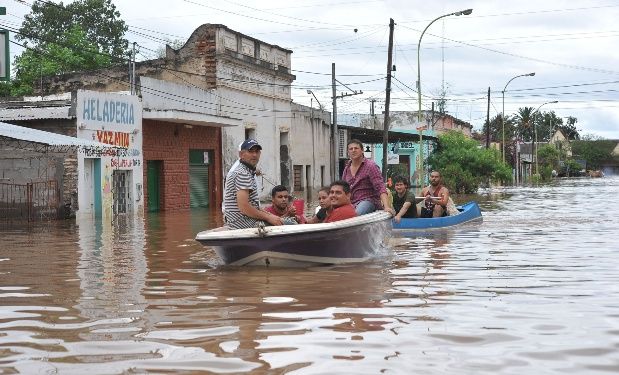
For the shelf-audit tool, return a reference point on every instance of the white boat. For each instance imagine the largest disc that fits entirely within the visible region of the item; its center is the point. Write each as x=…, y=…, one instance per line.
x=346, y=241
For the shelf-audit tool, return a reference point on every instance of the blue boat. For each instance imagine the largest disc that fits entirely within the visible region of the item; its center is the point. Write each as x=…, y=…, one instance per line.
x=468, y=212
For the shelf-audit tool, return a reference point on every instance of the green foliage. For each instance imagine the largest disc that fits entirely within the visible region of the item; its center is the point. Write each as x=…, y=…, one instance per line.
x=53, y=59
x=548, y=159
x=571, y=168
x=464, y=165
x=593, y=151
x=98, y=18
x=82, y=35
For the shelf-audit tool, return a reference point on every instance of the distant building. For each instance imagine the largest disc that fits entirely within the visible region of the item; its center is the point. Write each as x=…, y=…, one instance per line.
x=199, y=103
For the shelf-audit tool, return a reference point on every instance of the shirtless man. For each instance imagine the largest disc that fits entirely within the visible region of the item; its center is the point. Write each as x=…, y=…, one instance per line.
x=437, y=197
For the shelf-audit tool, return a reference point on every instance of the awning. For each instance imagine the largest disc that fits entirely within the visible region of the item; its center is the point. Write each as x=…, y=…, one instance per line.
x=35, y=113
x=189, y=118
x=374, y=136
x=57, y=142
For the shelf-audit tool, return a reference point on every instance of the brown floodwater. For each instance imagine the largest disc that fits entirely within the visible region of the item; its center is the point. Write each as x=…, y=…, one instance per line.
x=534, y=289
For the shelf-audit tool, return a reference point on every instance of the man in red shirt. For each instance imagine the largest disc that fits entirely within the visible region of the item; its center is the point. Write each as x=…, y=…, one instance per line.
x=281, y=206
x=339, y=193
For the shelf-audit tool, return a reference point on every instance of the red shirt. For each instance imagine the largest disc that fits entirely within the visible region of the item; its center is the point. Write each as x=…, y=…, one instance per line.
x=300, y=219
x=341, y=213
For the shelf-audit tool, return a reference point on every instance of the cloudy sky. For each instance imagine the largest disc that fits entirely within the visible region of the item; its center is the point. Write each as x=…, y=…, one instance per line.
x=570, y=45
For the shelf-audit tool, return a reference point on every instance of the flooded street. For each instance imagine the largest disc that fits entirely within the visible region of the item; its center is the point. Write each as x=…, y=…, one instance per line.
x=534, y=289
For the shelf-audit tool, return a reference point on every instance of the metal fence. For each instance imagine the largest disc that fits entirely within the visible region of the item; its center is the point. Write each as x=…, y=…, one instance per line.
x=34, y=201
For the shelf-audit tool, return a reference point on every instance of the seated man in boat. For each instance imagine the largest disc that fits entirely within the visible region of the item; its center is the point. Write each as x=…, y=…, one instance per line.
x=324, y=206
x=339, y=194
x=241, y=192
x=281, y=206
x=403, y=200
x=436, y=197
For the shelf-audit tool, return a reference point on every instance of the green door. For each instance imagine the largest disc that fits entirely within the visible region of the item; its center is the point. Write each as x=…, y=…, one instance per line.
x=153, y=169
x=198, y=178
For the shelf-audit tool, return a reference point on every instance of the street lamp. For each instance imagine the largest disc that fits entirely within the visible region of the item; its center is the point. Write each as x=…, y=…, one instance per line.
x=503, y=113
x=535, y=130
x=319, y=105
x=465, y=12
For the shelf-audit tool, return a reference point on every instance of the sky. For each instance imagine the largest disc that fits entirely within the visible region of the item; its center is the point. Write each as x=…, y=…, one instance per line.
x=570, y=45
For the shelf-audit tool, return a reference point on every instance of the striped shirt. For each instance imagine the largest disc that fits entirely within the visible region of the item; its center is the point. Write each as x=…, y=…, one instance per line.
x=240, y=178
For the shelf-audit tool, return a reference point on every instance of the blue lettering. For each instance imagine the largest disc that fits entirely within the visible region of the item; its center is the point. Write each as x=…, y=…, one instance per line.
x=123, y=113
x=131, y=119
x=117, y=112
x=98, y=113
x=92, y=109
x=112, y=112
x=106, y=114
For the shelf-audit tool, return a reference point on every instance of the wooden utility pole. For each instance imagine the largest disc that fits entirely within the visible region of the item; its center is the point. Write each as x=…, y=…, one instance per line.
x=387, y=99
x=334, y=139
x=488, y=121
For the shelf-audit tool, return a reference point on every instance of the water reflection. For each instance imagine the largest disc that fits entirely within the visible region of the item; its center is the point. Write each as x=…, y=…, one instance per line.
x=532, y=289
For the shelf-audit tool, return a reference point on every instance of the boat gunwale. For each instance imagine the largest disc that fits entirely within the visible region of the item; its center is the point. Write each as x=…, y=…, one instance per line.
x=286, y=230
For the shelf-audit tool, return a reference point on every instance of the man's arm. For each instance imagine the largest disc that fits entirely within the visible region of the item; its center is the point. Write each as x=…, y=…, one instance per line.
x=242, y=200
x=384, y=199
x=444, y=197
x=403, y=210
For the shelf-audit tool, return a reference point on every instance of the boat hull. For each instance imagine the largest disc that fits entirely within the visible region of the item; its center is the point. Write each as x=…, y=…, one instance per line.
x=469, y=212
x=347, y=241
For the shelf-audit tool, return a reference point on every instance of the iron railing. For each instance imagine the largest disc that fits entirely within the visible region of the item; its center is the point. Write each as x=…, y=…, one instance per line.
x=33, y=201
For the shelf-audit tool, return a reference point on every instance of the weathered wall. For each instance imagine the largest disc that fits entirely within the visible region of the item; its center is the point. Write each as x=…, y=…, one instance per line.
x=310, y=143
x=171, y=143
x=36, y=165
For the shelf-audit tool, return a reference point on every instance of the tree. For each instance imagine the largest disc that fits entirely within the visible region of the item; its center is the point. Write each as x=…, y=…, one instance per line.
x=83, y=35
x=464, y=165
x=98, y=18
x=52, y=59
x=594, y=150
x=569, y=129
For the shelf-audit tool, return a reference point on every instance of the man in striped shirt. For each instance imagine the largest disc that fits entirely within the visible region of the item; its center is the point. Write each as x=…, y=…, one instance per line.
x=241, y=191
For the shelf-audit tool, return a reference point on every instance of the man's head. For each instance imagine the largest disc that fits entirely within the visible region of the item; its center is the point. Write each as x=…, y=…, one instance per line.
x=280, y=197
x=355, y=149
x=339, y=193
x=323, y=197
x=250, y=152
x=435, y=178
x=400, y=184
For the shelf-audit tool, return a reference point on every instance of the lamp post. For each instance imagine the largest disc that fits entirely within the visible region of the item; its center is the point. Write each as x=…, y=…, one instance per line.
x=503, y=113
x=312, y=125
x=535, y=130
x=465, y=12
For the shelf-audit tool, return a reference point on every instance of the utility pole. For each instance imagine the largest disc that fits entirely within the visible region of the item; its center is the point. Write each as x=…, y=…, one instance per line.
x=488, y=121
x=334, y=133
x=334, y=140
x=387, y=99
x=373, y=113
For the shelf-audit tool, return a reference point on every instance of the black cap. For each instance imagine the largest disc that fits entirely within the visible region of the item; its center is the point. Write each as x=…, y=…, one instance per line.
x=249, y=143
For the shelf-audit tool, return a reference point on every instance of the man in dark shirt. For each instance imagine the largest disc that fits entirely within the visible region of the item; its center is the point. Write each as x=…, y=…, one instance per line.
x=403, y=200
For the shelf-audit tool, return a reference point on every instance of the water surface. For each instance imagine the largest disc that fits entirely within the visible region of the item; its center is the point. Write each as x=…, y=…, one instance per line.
x=534, y=289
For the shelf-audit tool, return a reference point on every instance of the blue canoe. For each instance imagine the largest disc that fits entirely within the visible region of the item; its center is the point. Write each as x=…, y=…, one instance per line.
x=468, y=212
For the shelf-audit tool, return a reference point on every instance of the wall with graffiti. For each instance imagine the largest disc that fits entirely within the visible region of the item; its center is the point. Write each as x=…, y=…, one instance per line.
x=110, y=180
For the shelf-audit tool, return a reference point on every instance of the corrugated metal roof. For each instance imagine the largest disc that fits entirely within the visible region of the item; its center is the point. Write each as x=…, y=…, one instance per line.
x=35, y=113
x=48, y=138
